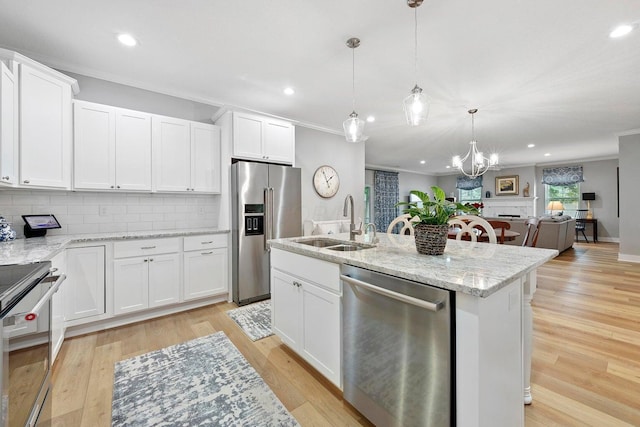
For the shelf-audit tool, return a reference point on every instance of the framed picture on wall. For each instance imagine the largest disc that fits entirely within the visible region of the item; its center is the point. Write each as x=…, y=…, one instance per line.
x=507, y=185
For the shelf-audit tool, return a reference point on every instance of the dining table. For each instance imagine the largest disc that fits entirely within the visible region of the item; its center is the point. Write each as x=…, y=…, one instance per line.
x=483, y=237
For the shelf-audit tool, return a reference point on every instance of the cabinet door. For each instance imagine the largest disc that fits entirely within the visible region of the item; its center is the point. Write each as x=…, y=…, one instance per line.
x=247, y=136
x=171, y=154
x=205, y=158
x=94, y=142
x=45, y=130
x=321, y=330
x=278, y=145
x=8, y=126
x=164, y=279
x=133, y=150
x=130, y=284
x=285, y=305
x=85, y=284
x=205, y=273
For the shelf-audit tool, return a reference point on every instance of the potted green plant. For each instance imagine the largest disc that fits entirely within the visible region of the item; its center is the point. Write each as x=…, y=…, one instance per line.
x=431, y=220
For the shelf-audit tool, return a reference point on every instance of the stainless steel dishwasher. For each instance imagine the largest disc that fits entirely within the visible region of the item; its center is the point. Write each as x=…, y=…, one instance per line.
x=398, y=349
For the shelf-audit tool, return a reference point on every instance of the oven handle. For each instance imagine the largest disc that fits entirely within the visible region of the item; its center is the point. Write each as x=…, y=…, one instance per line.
x=33, y=314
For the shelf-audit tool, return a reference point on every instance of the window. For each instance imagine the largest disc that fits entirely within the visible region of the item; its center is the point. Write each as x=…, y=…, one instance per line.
x=470, y=196
x=568, y=195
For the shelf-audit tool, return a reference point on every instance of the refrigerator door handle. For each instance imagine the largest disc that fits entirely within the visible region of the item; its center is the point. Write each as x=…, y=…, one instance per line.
x=267, y=219
x=270, y=217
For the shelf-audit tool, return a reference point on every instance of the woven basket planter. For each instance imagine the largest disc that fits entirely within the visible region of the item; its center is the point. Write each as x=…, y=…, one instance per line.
x=431, y=239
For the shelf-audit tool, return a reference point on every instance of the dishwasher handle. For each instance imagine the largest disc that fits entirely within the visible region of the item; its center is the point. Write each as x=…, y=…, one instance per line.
x=431, y=306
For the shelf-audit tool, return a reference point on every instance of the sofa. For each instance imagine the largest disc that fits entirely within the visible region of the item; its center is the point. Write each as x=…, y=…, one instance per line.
x=556, y=232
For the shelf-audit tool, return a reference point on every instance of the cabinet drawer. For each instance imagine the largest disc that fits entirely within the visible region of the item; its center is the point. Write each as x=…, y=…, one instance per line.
x=145, y=247
x=323, y=273
x=207, y=241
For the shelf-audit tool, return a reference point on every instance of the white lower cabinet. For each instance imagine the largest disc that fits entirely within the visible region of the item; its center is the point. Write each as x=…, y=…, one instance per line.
x=85, y=285
x=306, y=303
x=205, y=266
x=149, y=280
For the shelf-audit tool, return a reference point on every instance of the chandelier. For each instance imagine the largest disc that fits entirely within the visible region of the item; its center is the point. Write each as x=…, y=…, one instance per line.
x=353, y=126
x=478, y=163
x=416, y=107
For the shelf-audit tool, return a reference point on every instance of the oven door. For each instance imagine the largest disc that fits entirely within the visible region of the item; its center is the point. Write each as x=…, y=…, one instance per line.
x=26, y=352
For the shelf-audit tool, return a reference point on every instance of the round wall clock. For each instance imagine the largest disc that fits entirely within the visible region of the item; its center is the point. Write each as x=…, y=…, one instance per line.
x=326, y=181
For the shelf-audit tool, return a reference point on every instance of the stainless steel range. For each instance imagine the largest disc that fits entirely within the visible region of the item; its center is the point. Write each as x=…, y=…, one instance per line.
x=25, y=311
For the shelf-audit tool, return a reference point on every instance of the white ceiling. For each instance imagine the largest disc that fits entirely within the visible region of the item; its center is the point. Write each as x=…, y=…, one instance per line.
x=542, y=72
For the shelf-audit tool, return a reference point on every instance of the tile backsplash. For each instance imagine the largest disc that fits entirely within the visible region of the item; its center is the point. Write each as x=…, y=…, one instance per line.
x=89, y=212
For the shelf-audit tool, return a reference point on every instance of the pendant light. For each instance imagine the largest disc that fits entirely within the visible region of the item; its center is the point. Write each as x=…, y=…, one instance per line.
x=353, y=126
x=478, y=163
x=416, y=107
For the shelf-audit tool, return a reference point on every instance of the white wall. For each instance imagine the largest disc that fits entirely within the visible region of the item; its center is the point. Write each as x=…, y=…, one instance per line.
x=629, y=152
x=109, y=93
x=88, y=212
x=314, y=149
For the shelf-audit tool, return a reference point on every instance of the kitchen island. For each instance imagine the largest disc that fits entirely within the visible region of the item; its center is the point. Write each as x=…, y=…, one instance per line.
x=493, y=286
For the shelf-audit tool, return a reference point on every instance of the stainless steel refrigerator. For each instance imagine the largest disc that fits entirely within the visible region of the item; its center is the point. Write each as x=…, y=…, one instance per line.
x=266, y=205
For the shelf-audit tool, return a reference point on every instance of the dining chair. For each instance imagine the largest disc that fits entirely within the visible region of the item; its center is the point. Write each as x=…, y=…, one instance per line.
x=499, y=226
x=473, y=226
x=581, y=215
x=405, y=222
x=533, y=230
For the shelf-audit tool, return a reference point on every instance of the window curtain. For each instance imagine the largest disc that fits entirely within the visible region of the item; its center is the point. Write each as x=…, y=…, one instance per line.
x=568, y=175
x=387, y=192
x=468, y=183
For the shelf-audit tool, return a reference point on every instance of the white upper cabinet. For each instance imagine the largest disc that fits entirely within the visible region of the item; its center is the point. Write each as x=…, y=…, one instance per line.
x=205, y=158
x=171, y=154
x=45, y=129
x=8, y=126
x=133, y=150
x=186, y=156
x=263, y=138
x=112, y=148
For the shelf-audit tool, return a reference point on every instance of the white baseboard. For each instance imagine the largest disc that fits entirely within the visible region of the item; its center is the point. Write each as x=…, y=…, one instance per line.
x=629, y=258
x=114, y=322
x=609, y=239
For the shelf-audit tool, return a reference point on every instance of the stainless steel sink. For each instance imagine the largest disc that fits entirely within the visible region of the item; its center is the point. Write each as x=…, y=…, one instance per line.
x=320, y=242
x=335, y=245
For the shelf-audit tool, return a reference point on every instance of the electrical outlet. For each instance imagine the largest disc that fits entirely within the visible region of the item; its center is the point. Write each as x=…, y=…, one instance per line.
x=103, y=210
x=200, y=210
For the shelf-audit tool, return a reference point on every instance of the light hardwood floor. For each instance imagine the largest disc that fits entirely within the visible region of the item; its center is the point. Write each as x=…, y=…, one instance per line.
x=586, y=358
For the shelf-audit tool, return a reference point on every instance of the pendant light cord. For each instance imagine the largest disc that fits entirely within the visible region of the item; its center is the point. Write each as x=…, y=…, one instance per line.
x=353, y=77
x=415, y=36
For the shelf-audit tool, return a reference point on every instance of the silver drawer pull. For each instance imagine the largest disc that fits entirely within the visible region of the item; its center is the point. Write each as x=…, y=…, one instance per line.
x=148, y=247
x=206, y=243
x=431, y=306
x=206, y=253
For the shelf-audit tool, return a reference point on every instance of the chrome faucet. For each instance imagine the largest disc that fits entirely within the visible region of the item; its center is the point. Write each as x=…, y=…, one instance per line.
x=375, y=234
x=348, y=203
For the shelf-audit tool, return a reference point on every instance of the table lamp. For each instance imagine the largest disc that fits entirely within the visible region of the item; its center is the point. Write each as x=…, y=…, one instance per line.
x=588, y=197
x=555, y=206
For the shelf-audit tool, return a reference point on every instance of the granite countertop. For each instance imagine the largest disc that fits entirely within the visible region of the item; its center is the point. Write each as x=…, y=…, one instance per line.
x=478, y=269
x=25, y=251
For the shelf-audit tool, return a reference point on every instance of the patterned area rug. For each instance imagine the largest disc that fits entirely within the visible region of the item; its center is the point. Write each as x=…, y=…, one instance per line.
x=203, y=382
x=254, y=319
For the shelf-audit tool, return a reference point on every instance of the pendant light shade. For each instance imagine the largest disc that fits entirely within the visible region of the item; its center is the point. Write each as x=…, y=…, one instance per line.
x=353, y=126
x=416, y=106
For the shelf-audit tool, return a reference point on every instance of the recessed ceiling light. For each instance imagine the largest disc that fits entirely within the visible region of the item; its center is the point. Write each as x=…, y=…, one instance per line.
x=422, y=162
x=547, y=154
x=621, y=30
x=127, y=40
x=531, y=145
x=289, y=91
x=371, y=119
x=448, y=167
